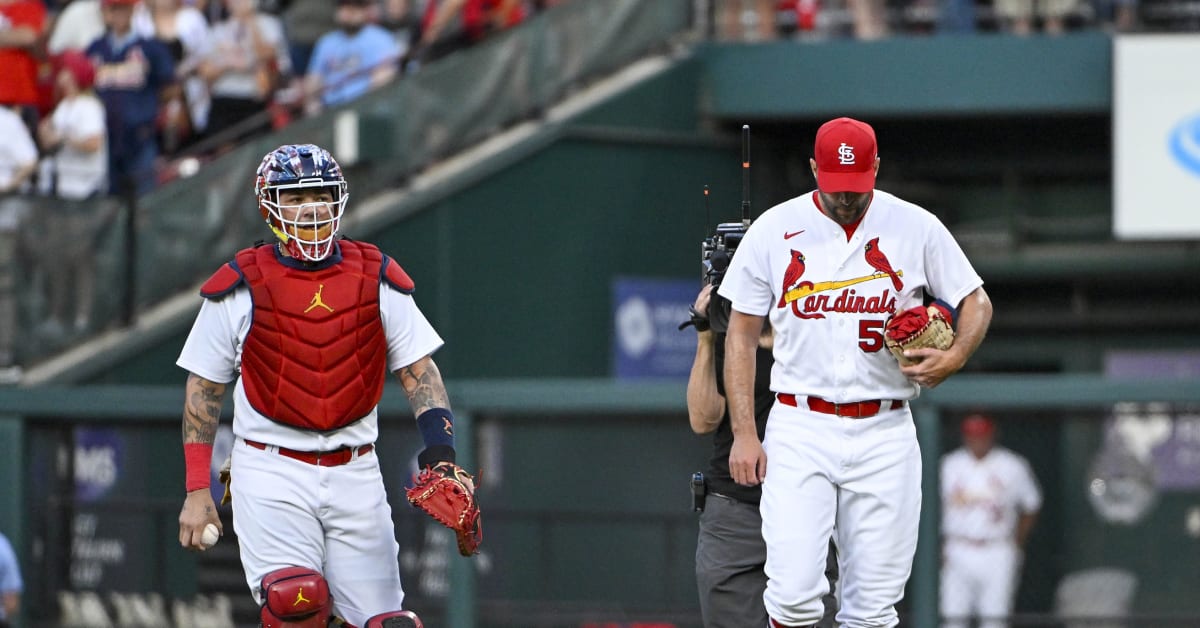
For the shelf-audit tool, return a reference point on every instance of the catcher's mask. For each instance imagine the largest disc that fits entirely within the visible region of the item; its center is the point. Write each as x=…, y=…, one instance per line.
x=307, y=230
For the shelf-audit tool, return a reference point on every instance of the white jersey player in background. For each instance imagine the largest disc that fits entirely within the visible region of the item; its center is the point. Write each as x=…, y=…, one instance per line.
x=990, y=501
x=840, y=456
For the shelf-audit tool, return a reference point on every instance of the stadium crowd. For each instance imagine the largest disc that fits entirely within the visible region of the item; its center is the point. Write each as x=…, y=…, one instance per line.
x=111, y=98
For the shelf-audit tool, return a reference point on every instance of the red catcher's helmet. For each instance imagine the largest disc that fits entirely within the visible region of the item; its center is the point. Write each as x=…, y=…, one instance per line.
x=307, y=230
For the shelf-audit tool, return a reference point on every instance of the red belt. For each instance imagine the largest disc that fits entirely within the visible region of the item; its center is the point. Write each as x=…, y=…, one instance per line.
x=856, y=410
x=330, y=458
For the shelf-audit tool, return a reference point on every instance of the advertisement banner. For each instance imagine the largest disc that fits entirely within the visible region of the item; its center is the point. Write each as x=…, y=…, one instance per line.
x=647, y=341
x=1156, y=137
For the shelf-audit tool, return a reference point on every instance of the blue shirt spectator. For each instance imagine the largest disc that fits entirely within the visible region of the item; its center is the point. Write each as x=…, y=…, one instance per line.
x=131, y=73
x=11, y=584
x=352, y=60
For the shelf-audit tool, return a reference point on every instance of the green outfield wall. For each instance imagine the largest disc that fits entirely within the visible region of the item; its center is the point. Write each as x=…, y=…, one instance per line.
x=584, y=493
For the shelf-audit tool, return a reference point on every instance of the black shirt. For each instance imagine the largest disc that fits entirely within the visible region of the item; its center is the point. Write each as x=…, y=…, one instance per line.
x=718, y=478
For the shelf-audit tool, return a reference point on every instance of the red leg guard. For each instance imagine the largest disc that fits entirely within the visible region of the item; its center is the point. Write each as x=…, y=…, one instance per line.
x=295, y=597
x=395, y=619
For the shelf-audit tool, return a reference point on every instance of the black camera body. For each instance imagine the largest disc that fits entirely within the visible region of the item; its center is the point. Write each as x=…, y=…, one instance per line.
x=716, y=252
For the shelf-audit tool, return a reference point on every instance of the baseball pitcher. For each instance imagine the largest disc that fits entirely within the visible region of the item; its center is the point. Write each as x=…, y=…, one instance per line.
x=840, y=455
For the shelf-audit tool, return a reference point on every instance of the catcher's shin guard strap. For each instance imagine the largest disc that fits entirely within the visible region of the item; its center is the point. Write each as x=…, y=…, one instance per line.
x=395, y=619
x=197, y=458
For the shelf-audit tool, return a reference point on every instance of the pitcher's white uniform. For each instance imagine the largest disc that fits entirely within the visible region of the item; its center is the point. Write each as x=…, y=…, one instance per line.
x=982, y=500
x=827, y=300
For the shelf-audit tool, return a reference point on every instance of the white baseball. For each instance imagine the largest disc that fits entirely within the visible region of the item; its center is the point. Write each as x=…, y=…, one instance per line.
x=210, y=536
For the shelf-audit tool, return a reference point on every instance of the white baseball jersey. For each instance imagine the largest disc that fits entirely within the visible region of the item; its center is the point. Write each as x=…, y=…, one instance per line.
x=828, y=298
x=214, y=351
x=983, y=498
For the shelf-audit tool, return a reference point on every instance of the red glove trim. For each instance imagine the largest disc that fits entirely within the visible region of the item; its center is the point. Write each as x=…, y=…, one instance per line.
x=197, y=458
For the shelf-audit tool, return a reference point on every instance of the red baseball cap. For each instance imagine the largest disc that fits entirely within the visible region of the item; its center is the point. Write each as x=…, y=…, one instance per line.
x=79, y=66
x=978, y=425
x=845, y=152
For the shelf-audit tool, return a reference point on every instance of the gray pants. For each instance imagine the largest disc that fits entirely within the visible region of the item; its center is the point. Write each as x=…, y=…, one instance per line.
x=730, y=555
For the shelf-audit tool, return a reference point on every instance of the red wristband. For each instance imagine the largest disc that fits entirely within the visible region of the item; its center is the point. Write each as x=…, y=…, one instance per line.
x=197, y=459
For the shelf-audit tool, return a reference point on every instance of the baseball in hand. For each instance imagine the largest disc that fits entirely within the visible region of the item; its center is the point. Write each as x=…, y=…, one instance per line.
x=210, y=536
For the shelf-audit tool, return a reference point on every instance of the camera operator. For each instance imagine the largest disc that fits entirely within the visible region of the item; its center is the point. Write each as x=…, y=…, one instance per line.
x=730, y=551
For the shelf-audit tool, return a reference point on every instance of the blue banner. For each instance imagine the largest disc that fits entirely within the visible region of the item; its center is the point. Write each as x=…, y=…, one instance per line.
x=647, y=341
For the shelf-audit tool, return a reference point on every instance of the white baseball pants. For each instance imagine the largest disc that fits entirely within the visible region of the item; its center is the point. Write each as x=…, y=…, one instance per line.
x=860, y=477
x=333, y=519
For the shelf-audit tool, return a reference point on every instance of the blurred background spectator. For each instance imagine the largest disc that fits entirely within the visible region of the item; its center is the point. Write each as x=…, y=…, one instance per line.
x=132, y=75
x=304, y=22
x=74, y=141
x=73, y=138
x=11, y=585
x=21, y=26
x=745, y=20
x=18, y=161
x=449, y=25
x=247, y=62
x=76, y=25
x=353, y=59
x=1020, y=16
x=402, y=18
x=185, y=33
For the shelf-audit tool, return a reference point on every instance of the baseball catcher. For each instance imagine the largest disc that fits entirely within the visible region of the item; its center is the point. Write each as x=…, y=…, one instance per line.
x=920, y=327
x=447, y=493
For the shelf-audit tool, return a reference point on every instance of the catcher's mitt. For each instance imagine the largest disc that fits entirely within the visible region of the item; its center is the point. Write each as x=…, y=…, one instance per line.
x=920, y=327
x=226, y=477
x=447, y=493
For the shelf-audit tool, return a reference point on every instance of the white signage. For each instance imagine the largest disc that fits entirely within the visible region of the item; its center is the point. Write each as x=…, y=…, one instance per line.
x=1156, y=137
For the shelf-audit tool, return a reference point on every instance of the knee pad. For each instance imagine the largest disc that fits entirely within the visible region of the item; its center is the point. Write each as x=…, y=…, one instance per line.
x=295, y=597
x=395, y=619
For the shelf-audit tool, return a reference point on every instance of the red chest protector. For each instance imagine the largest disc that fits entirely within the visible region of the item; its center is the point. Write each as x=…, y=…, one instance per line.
x=316, y=354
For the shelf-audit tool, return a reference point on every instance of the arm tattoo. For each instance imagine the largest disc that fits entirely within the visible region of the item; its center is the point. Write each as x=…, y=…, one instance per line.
x=422, y=382
x=202, y=410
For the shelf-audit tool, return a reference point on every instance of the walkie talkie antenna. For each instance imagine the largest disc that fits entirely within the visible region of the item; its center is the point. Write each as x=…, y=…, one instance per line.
x=746, y=175
x=706, y=213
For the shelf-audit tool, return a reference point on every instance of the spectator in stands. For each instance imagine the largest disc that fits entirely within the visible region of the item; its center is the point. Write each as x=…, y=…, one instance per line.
x=1125, y=15
x=249, y=58
x=77, y=25
x=352, y=60
x=21, y=26
x=402, y=18
x=304, y=22
x=74, y=137
x=745, y=20
x=449, y=25
x=870, y=18
x=1018, y=16
x=74, y=140
x=956, y=16
x=185, y=33
x=132, y=73
x=18, y=161
x=11, y=585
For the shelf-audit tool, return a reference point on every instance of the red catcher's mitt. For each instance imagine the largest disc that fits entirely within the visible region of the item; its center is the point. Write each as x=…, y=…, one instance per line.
x=920, y=327
x=447, y=493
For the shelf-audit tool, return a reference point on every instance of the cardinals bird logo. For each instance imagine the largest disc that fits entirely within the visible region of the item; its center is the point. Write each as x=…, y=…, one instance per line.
x=879, y=262
x=791, y=276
